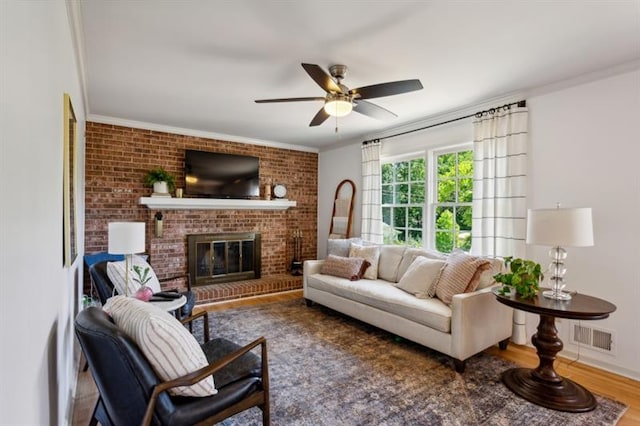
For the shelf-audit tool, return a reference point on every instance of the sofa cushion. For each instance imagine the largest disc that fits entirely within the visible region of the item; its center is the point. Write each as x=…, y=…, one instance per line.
x=383, y=295
x=341, y=246
x=411, y=253
x=351, y=268
x=371, y=254
x=421, y=275
x=389, y=262
x=456, y=274
x=171, y=350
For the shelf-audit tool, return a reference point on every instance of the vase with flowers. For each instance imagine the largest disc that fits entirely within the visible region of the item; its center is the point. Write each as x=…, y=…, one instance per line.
x=142, y=277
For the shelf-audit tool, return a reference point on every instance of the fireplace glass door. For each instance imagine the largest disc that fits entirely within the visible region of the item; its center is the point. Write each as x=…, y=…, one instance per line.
x=218, y=258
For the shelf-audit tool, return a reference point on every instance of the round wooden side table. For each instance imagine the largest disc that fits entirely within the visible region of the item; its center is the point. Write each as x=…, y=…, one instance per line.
x=542, y=385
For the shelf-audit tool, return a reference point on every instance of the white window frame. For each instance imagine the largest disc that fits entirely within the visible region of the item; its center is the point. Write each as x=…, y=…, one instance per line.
x=409, y=157
x=432, y=182
x=431, y=185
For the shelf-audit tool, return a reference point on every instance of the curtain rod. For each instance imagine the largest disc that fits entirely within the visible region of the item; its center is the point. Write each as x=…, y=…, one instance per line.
x=521, y=104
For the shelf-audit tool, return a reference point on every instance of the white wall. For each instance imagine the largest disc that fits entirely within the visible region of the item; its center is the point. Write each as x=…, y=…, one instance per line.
x=333, y=167
x=36, y=291
x=583, y=151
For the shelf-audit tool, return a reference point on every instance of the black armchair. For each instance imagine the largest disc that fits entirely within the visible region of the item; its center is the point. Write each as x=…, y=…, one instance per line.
x=132, y=394
x=105, y=288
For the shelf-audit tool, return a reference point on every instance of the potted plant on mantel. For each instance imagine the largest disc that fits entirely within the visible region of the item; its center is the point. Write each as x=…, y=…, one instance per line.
x=161, y=181
x=523, y=277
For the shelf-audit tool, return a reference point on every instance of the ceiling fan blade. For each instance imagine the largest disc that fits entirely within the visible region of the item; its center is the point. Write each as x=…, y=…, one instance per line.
x=266, y=101
x=320, y=118
x=323, y=79
x=372, y=110
x=386, y=89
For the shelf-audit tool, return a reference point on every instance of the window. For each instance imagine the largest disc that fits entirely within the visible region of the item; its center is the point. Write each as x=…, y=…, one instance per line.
x=403, y=201
x=408, y=195
x=453, y=200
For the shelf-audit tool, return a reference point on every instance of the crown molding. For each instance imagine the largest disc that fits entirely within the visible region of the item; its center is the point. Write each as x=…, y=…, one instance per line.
x=197, y=133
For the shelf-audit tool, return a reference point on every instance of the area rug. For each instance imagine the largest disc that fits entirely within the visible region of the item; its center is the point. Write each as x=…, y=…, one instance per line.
x=328, y=369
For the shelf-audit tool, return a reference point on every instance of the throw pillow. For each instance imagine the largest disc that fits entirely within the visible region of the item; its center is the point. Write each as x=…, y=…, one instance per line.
x=456, y=274
x=171, y=350
x=341, y=246
x=371, y=254
x=486, y=278
x=420, y=276
x=351, y=268
x=116, y=271
x=411, y=253
x=389, y=262
x=475, y=280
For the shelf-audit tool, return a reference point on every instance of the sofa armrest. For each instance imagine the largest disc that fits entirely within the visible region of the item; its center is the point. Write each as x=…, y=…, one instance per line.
x=478, y=321
x=310, y=267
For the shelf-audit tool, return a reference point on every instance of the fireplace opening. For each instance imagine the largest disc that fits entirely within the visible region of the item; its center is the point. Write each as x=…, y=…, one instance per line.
x=223, y=257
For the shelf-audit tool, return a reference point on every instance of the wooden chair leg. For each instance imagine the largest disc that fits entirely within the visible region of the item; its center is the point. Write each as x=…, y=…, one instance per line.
x=459, y=365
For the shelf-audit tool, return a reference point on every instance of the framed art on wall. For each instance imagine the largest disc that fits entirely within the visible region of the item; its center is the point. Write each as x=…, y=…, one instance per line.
x=70, y=247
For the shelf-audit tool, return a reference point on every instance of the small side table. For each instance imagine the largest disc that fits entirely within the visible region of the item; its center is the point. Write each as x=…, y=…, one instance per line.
x=170, y=305
x=542, y=385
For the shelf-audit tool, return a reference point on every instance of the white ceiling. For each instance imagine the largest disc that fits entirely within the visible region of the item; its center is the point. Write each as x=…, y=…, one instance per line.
x=199, y=65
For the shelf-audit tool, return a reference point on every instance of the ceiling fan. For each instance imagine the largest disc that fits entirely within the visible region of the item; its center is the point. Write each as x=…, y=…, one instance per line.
x=340, y=100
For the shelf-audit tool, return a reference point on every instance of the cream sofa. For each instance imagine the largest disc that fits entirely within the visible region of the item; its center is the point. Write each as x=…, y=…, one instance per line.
x=472, y=322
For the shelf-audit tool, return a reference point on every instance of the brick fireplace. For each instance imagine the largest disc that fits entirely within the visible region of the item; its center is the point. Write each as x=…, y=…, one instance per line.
x=117, y=158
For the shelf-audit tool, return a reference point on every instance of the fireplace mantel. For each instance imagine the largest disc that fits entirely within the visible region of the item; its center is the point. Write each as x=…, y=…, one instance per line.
x=214, y=204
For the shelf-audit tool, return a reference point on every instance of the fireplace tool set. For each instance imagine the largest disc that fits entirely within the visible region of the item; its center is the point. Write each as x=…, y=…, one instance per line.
x=296, y=264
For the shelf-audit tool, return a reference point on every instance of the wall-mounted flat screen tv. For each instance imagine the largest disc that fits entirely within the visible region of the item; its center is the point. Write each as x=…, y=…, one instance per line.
x=218, y=175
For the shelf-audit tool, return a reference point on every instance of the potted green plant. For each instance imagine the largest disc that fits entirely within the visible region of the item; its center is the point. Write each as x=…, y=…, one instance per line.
x=524, y=277
x=161, y=180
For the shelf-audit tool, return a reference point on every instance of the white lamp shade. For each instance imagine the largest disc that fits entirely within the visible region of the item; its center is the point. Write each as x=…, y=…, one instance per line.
x=126, y=237
x=560, y=227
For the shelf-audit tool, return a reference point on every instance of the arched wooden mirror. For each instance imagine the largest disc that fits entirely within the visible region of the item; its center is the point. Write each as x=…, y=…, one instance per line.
x=342, y=216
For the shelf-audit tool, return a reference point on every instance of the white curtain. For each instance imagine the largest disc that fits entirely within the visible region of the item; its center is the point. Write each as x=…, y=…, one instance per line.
x=371, y=192
x=499, y=189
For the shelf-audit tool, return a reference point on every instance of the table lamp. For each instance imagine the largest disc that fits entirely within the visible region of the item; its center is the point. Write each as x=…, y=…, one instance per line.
x=126, y=238
x=556, y=228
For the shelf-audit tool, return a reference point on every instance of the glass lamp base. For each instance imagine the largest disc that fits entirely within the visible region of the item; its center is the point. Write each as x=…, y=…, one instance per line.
x=557, y=295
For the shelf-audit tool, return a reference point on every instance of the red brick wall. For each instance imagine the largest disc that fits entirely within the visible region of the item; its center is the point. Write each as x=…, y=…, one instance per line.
x=118, y=157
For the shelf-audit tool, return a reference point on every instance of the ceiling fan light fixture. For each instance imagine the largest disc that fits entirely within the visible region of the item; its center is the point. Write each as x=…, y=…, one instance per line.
x=338, y=105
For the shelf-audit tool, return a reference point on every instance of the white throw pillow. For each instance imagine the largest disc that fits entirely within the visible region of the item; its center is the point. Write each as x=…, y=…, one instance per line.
x=116, y=272
x=411, y=253
x=371, y=254
x=421, y=275
x=340, y=246
x=171, y=350
x=389, y=262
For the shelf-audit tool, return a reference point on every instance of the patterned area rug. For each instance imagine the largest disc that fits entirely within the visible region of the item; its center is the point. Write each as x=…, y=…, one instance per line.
x=329, y=369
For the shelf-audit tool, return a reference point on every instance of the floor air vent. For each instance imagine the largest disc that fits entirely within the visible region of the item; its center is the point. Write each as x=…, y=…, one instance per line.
x=596, y=338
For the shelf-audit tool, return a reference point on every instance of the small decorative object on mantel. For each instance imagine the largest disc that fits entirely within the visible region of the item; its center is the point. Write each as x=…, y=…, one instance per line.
x=296, y=265
x=524, y=277
x=267, y=191
x=161, y=181
x=279, y=190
